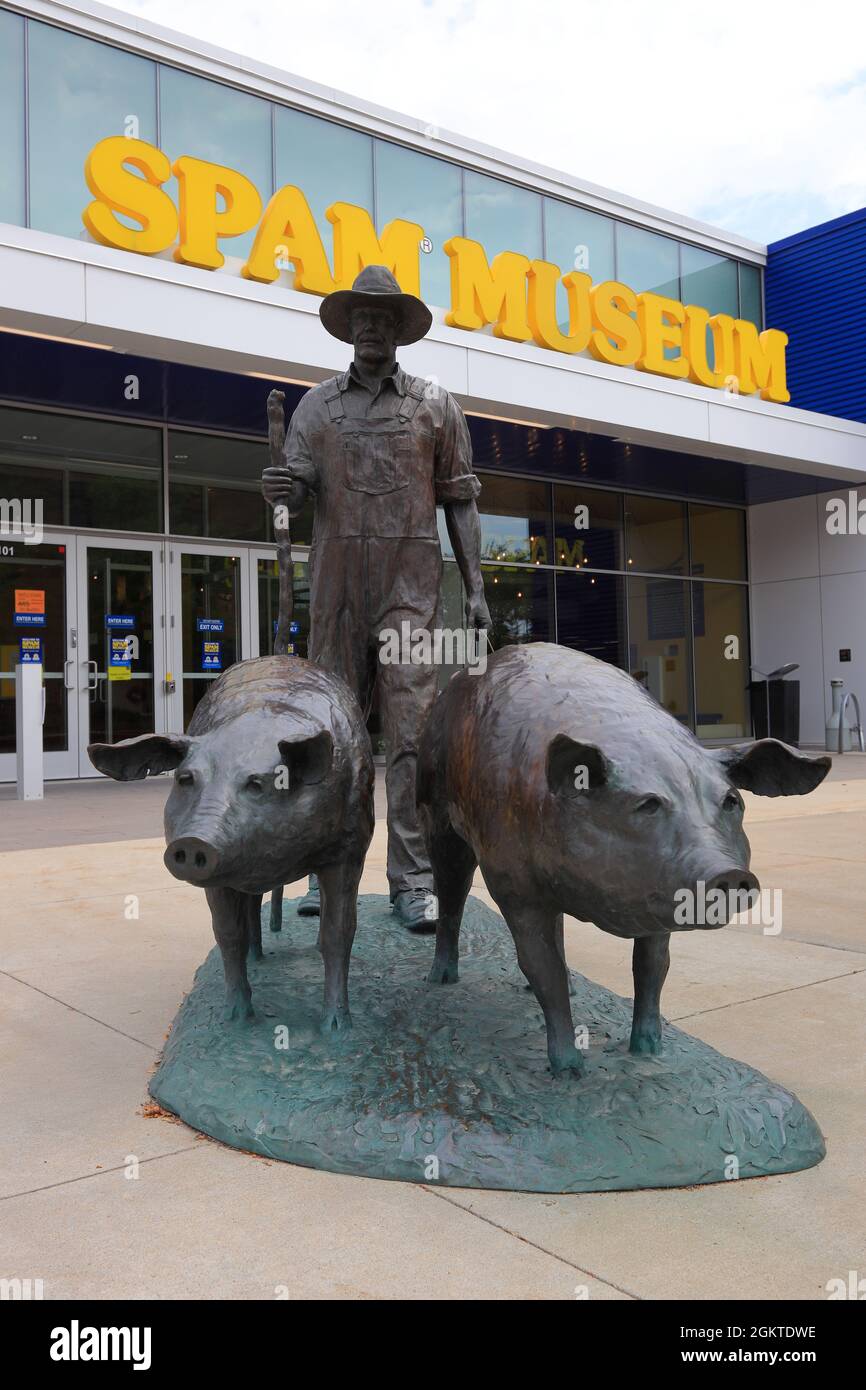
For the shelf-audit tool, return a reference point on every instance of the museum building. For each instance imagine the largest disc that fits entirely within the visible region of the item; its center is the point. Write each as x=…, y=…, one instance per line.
x=668, y=420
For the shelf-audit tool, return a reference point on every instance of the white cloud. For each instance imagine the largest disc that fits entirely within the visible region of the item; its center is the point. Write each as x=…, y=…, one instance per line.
x=752, y=117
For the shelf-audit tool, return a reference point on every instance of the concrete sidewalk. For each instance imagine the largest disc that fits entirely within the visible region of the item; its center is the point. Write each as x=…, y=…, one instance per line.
x=88, y=993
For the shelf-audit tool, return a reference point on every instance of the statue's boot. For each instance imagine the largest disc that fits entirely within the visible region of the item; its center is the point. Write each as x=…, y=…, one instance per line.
x=310, y=904
x=416, y=909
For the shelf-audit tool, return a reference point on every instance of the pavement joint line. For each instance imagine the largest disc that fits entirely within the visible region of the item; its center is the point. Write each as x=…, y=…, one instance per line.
x=92, y=897
x=82, y=1012
x=506, y=1230
x=755, y=998
x=802, y=941
x=101, y=1173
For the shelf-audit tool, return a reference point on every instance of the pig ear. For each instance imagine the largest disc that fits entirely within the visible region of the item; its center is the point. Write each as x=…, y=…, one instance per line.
x=574, y=767
x=308, y=759
x=771, y=768
x=136, y=758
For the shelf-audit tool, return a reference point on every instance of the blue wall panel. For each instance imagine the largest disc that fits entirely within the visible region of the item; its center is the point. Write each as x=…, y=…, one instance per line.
x=815, y=290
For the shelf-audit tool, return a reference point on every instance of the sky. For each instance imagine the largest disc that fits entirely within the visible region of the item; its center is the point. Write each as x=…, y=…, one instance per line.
x=749, y=116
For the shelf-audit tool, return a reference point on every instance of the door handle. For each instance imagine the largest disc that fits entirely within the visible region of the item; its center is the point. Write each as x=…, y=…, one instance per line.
x=93, y=677
x=68, y=684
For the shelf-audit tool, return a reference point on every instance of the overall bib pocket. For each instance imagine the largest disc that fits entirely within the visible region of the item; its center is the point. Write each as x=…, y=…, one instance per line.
x=377, y=462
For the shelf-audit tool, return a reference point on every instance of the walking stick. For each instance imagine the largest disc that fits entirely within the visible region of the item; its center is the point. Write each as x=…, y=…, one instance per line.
x=282, y=534
x=285, y=569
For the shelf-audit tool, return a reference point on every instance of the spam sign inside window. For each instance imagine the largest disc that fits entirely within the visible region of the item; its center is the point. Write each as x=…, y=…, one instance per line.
x=30, y=651
x=119, y=659
x=211, y=656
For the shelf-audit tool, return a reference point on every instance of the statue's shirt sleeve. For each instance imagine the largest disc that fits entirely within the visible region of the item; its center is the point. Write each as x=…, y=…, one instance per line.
x=454, y=478
x=298, y=452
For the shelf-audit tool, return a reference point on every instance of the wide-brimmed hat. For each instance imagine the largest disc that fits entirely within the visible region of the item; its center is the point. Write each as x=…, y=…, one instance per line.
x=376, y=285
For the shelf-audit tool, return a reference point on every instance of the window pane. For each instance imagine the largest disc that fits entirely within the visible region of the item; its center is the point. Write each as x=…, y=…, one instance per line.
x=590, y=615
x=659, y=641
x=710, y=281
x=85, y=472
x=12, y=118
x=750, y=294
x=646, y=261
x=269, y=606
x=520, y=603
x=208, y=120
x=502, y=216
x=210, y=588
x=720, y=676
x=514, y=520
x=215, y=488
x=718, y=541
x=655, y=535
x=120, y=581
x=587, y=525
x=421, y=189
x=576, y=239
x=328, y=162
x=80, y=93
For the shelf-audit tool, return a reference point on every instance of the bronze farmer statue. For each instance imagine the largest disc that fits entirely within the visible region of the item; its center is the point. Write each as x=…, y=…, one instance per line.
x=378, y=449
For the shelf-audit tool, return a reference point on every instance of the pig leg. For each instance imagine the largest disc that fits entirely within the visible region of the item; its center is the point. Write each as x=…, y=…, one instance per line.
x=338, y=885
x=254, y=928
x=277, y=910
x=229, y=917
x=650, y=960
x=453, y=863
x=535, y=932
x=560, y=946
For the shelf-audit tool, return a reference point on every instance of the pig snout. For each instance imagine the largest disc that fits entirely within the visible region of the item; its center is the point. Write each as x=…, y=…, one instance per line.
x=193, y=860
x=716, y=896
x=734, y=881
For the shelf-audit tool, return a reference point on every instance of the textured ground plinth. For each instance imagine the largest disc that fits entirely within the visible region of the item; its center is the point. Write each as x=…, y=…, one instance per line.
x=450, y=1083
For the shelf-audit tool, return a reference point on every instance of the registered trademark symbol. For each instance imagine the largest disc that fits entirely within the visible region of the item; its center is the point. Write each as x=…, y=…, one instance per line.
x=426, y=245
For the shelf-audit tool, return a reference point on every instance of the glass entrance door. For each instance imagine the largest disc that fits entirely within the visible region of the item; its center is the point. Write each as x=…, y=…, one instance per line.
x=264, y=588
x=119, y=666
x=37, y=599
x=209, y=627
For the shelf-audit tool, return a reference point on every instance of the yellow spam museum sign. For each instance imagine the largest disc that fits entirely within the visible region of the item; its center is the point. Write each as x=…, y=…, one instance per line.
x=515, y=296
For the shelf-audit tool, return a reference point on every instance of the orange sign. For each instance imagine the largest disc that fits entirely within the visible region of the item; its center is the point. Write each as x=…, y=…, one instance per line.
x=29, y=600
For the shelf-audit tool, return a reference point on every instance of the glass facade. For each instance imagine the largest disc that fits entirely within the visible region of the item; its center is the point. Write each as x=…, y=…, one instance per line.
x=656, y=585
x=82, y=90
x=98, y=474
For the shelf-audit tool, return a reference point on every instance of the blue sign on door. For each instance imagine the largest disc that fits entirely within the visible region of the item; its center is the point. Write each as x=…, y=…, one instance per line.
x=122, y=620
x=209, y=624
x=211, y=656
x=30, y=651
x=29, y=620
